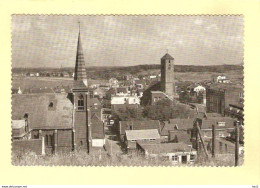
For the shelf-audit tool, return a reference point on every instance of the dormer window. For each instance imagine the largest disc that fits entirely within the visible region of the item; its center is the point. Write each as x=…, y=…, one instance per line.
x=81, y=103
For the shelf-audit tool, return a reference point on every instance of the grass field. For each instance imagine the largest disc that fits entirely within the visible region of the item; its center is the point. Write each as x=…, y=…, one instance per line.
x=98, y=158
x=49, y=82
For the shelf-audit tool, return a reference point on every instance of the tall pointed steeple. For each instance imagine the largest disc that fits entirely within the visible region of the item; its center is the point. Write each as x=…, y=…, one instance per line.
x=80, y=68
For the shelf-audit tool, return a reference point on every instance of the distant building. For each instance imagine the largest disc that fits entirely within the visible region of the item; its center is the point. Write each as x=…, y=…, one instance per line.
x=99, y=92
x=166, y=87
x=220, y=96
x=125, y=100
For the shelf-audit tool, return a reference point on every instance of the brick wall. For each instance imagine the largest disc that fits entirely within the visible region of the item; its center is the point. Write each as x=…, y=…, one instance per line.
x=22, y=146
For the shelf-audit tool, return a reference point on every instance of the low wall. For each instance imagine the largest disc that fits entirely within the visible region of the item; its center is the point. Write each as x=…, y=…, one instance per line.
x=34, y=145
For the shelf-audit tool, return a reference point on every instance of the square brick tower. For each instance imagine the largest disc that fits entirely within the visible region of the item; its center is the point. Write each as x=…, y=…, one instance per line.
x=167, y=75
x=81, y=115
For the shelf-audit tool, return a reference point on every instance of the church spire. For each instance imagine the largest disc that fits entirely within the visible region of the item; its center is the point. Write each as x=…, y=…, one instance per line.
x=80, y=68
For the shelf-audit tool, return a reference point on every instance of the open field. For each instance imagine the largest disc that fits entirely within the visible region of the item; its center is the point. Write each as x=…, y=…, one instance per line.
x=49, y=82
x=37, y=82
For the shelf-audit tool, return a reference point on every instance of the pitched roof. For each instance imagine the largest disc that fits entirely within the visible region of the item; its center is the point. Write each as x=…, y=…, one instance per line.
x=182, y=136
x=39, y=114
x=165, y=147
x=207, y=123
x=139, y=125
x=142, y=134
x=97, y=127
x=182, y=124
x=80, y=68
x=167, y=56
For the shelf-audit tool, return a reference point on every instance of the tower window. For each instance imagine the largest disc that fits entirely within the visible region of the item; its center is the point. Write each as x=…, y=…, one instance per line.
x=51, y=105
x=26, y=115
x=81, y=103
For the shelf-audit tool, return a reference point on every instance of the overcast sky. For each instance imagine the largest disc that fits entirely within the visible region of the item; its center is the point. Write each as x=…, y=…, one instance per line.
x=50, y=41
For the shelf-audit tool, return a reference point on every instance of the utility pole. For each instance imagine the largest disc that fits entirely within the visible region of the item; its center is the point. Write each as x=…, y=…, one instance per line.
x=213, y=140
x=237, y=123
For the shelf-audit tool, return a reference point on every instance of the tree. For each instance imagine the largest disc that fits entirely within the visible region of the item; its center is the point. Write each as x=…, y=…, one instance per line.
x=166, y=109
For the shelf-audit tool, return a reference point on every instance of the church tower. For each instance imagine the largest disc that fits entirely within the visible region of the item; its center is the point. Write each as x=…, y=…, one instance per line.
x=81, y=113
x=167, y=75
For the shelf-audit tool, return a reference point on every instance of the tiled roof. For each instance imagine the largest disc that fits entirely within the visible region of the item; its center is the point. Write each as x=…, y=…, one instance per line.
x=142, y=134
x=139, y=125
x=80, y=68
x=207, y=123
x=182, y=136
x=167, y=56
x=39, y=114
x=165, y=147
x=182, y=124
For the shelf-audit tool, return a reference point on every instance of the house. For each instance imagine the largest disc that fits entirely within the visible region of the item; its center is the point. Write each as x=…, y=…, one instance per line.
x=225, y=146
x=139, y=84
x=127, y=99
x=99, y=92
x=20, y=130
x=223, y=126
x=147, y=136
x=176, y=153
x=136, y=125
x=122, y=91
x=173, y=126
x=220, y=96
x=222, y=79
x=113, y=83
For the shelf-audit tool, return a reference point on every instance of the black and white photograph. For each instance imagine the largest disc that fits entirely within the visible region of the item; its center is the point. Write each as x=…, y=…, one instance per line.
x=127, y=90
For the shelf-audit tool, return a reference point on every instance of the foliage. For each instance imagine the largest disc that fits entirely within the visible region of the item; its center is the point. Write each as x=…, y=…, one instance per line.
x=165, y=109
x=128, y=114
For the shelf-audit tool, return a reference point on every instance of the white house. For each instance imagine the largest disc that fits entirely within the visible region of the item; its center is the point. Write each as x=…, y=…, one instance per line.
x=125, y=100
x=199, y=89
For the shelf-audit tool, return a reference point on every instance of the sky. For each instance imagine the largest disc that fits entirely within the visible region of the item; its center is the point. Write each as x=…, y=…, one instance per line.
x=51, y=41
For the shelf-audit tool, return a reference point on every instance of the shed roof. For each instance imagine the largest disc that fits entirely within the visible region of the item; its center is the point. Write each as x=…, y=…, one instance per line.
x=165, y=147
x=142, y=134
x=139, y=125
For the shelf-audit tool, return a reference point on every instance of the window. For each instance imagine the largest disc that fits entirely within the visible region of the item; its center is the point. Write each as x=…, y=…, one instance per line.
x=131, y=127
x=152, y=139
x=26, y=115
x=226, y=149
x=175, y=157
x=51, y=105
x=221, y=124
x=192, y=157
x=220, y=147
x=49, y=140
x=241, y=95
x=81, y=103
